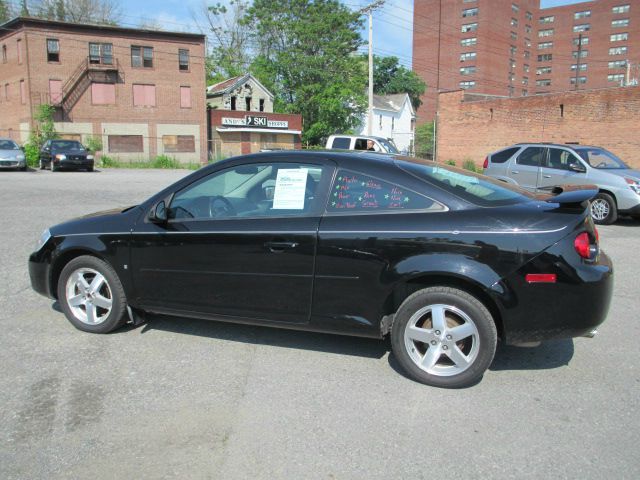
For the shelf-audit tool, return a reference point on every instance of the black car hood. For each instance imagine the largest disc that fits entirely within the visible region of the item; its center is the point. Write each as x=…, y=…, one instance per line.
x=111, y=211
x=107, y=221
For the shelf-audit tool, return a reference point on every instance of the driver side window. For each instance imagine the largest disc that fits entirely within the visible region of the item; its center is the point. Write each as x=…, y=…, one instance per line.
x=251, y=190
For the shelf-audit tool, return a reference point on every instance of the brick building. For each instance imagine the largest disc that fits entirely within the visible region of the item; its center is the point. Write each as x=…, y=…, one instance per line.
x=141, y=91
x=514, y=48
x=472, y=125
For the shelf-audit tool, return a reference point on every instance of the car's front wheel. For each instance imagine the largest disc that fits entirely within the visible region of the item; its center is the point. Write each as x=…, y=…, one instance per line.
x=444, y=337
x=91, y=295
x=603, y=209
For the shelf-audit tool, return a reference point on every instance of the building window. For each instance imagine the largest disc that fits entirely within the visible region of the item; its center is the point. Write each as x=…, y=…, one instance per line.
x=470, y=12
x=4, y=54
x=620, y=9
x=583, y=14
x=618, y=64
x=545, y=33
x=525, y=80
x=620, y=23
x=183, y=60
x=526, y=68
x=545, y=45
x=141, y=56
x=618, y=51
x=19, y=47
x=23, y=93
x=525, y=92
x=103, y=94
x=513, y=50
x=468, y=42
x=527, y=54
x=125, y=143
x=247, y=104
x=53, y=50
x=617, y=77
x=527, y=43
x=469, y=1
x=101, y=53
x=581, y=28
x=545, y=57
x=548, y=19
x=262, y=104
x=543, y=83
x=467, y=56
x=467, y=70
x=581, y=41
x=514, y=36
x=185, y=97
x=179, y=143
x=619, y=37
x=55, y=91
x=515, y=8
x=528, y=15
x=527, y=28
x=582, y=67
x=469, y=27
x=580, y=54
x=144, y=95
x=543, y=70
x=514, y=22
x=579, y=80
x=380, y=122
x=467, y=85
x=512, y=63
x=233, y=103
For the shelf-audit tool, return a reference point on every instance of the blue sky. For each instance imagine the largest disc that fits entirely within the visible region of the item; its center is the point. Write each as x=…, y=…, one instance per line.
x=392, y=24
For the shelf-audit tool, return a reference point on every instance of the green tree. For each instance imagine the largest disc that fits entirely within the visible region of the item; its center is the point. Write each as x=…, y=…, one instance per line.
x=24, y=8
x=5, y=13
x=44, y=129
x=305, y=55
x=424, y=140
x=391, y=77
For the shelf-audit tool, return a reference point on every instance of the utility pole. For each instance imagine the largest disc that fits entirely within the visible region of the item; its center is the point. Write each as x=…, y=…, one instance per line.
x=579, y=56
x=369, y=10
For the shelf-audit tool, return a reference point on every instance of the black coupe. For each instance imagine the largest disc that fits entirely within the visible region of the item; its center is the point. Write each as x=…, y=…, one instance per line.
x=443, y=260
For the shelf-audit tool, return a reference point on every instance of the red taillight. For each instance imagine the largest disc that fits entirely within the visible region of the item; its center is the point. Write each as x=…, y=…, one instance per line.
x=485, y=165
x=583, y=245
x=541, y=278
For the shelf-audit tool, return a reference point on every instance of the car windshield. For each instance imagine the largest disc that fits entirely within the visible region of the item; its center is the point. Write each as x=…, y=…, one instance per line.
x=71, y=145
x=388, y=145
x=472, y=187
x=601, y=158
x=8, y=145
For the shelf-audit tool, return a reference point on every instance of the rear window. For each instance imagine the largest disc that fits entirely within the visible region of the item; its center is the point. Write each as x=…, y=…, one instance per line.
x=472, y=187
x=341, y=142
x=531, y=157
x=504, y=155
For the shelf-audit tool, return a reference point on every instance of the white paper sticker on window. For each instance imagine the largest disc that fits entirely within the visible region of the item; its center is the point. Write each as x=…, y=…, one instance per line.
x=291, y=184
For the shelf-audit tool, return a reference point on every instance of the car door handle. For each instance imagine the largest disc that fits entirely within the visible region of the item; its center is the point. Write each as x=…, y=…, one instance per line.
x=280, y=246
x=546, y=176
x=515, y=172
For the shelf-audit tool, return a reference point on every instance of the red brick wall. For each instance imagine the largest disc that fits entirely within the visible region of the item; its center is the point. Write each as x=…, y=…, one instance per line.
x=607, y=117
x=13, y=111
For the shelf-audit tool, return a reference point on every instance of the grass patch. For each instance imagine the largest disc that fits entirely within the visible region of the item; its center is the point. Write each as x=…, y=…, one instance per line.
x=161, y=161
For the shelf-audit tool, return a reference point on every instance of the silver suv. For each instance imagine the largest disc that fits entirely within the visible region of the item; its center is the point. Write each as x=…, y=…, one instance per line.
x=538, y=167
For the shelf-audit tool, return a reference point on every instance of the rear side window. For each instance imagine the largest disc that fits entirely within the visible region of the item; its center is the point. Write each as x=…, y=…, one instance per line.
x=531, y=156
x=361, y=144
x=341, y=142
x=504, y=155
x=355, y=192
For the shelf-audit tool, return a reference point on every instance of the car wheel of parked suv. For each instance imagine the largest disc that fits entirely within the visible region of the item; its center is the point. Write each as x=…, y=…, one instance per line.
x=91, y=295
x=603, y=209
x=444, y=337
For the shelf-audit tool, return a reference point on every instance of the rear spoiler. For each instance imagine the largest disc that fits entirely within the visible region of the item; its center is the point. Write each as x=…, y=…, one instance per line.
x=571, y=195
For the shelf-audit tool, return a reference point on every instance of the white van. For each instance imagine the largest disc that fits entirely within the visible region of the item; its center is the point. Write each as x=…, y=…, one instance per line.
x=361, y=142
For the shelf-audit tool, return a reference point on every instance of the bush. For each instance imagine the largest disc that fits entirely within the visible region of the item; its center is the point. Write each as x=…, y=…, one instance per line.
x=424, y=140
x=32, y=154
x=165, y=161
x=470, y=165
x=451, y=162
x=106, y=161
x=94, y=143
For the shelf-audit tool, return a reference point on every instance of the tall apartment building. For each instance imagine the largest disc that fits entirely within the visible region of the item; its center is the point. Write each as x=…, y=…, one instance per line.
x=515, y=48
x=141, y=91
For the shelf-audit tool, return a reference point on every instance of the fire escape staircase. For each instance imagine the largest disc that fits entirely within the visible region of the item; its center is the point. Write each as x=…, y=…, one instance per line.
x=86, y=73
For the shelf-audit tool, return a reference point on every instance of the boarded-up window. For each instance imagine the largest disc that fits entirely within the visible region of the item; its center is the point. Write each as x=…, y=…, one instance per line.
x=19, y=51
x=23, y=93
x=144, y=95
x=185, y=97
x=103, y=93
x=179, y=143
x=125, y=144
x=55, y=91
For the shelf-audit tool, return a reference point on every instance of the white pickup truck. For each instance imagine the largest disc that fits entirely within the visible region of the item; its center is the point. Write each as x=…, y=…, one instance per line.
x=361, y=142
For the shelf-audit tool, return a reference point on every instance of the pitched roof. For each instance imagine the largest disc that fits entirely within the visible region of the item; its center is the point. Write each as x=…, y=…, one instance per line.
x=231, y=83
x=392, y=103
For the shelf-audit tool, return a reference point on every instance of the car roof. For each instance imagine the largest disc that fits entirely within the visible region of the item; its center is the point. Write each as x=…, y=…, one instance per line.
x=372, y=137
x=551, y=144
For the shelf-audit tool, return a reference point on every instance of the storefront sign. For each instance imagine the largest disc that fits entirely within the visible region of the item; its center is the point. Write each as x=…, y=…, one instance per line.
x=255, y=122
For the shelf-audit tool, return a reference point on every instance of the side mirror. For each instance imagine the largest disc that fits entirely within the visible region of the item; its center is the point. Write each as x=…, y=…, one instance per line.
x=577, y=167
x=158, y=213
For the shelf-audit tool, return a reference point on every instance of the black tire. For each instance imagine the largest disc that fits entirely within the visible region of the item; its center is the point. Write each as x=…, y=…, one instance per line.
x=604, y=210
x=90, y=169
x=106, y=319
x=54, y=167
x=458, y=308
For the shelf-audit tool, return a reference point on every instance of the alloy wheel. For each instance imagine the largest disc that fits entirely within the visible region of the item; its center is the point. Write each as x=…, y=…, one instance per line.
x=89, y=296
x=600, y=209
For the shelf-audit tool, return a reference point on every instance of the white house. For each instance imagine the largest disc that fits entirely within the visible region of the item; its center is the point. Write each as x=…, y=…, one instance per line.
x=393, y=117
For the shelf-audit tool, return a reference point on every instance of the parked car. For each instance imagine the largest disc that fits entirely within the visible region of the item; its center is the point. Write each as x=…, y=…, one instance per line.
x=68, y=154
x=540, y=167
x=11, y=155
x=361, y=142
x=443, y=260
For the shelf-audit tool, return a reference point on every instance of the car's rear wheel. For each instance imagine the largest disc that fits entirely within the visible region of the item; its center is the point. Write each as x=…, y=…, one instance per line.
x=603, y=209
x=91, y=295
x=444, y=337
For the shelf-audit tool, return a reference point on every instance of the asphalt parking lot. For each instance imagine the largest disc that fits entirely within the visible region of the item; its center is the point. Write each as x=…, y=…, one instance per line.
x=180, y=398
